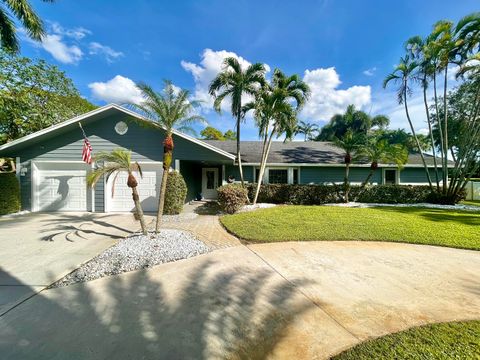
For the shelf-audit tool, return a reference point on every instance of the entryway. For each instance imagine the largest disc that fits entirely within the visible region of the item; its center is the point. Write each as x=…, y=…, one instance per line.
x=209, y=183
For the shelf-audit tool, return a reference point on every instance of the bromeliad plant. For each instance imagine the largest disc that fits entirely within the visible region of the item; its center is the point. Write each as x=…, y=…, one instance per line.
x=111, y=164
x=170, y=109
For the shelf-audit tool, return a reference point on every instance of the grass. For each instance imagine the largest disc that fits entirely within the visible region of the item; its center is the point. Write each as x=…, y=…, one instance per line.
x=460, y=340
x=440, y=227
x=471, y=202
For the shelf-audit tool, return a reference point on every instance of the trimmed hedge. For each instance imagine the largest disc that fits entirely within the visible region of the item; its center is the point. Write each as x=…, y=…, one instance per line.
x=324, y=194
x=232, y=197
x=175, y=194
x=9, y=193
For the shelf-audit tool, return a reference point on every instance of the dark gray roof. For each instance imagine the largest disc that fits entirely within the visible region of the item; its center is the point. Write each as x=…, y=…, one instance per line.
x=295, y=152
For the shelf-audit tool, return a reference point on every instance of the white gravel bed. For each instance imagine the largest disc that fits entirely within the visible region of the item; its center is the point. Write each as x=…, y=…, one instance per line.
x=420, y=205
x=137, y=252
x=247, y=208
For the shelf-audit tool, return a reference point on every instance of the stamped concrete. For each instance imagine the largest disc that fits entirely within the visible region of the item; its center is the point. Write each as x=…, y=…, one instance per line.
x=37, y=249
x=279, y=301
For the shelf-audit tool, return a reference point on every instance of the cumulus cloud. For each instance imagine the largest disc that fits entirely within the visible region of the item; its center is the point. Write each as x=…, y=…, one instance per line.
x=210, y=65
x=67, y=54
x=118, y=90
x=370, y=72
x=110, y=55
x=326, y=99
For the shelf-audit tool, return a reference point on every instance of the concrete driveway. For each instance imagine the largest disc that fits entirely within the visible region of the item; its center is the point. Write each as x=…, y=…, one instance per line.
x=281, y=301
x=38, y=249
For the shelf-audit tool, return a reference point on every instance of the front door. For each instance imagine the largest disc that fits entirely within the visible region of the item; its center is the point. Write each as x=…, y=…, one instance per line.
x=209, y=183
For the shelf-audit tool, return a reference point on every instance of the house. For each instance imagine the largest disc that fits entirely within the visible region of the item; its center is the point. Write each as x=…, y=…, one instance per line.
x=53, y=177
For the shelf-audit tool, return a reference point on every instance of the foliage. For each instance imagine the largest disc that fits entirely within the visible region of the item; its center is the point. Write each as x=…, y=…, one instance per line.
x=232, y=197
x=23, y=11
x=438, y=227
x=110, y=164
x=275, y=110
x=9, y=193
x=175, y=194
x=169, y=109
x=452, y=117
x=307, y=129
x=34, y=95
x=211, y=133
x=401, y=137
x=234, y=82
x=455, y=340
x=327, y=194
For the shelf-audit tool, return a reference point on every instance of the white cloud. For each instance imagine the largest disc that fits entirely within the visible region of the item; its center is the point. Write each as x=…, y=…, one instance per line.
x=96, y=48
x=211, y=64
x=119, y=90
x=62, y=52
x=370, y=72
x=76, y=33
x=326, y=99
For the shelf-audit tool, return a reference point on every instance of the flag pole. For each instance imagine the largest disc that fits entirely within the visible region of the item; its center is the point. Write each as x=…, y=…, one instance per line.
x=81, y=128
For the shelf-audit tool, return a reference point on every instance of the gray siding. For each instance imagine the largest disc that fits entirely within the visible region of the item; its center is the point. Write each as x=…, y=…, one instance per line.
x=233, y=170
x=320, y=175
x=417, y=175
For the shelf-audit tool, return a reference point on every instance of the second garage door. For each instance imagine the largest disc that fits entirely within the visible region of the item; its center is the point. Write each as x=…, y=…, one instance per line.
x=148, y=190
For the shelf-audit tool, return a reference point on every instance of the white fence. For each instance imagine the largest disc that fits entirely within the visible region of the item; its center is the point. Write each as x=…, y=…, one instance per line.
x=473, y=190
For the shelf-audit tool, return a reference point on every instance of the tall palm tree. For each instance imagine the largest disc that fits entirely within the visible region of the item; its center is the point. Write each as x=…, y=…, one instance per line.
x=234, y=82
x=402, y=74
x=307, y=129
x=170, y=109
x=23, y=11
x=112, y=164
x=381, y=151
x=350, y=143
x=275, y=109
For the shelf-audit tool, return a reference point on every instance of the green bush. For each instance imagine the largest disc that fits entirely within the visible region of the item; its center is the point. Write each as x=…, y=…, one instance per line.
x=9, y=193
x=325, y=194
x=175, y=194
x=232, y=197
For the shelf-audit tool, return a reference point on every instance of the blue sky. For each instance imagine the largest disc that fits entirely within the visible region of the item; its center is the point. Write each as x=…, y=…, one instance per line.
x=343, y=49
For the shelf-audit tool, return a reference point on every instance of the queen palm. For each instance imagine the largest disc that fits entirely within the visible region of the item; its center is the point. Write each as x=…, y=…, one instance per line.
x=170, y=109
x=403, y=74
x=111, y=164
x=23, y=11
x=233, y=82
x=307, y=129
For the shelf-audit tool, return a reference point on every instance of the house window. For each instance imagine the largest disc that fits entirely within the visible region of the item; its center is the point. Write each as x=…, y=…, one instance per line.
x=390, y=176
x=295, y=176
x=278, y=176
x=257, y=175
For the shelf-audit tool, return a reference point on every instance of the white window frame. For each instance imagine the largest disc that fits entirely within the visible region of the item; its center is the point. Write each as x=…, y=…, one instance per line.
x=266, y=179
x=397, y=176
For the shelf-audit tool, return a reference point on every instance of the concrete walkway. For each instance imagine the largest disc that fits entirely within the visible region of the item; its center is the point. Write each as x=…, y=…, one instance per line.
x=280, y=301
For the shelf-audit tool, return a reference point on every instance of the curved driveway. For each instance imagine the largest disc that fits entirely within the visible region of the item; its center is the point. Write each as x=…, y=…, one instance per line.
x=305, y=300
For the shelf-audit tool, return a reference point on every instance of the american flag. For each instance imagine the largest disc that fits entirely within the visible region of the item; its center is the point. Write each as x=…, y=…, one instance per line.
x=87, y=148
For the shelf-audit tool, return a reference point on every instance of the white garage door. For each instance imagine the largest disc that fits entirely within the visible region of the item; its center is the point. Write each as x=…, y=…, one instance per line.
x=148, y=189
x=60, y=186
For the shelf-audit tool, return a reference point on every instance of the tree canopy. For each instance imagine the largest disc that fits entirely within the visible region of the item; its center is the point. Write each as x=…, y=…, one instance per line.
x=34, y=95
x=211, y=133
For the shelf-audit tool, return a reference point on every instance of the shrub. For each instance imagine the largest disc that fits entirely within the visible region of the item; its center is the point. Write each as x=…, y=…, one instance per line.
x=232, y=197
x=9, y=193
x=324, y=194
x=175, y=194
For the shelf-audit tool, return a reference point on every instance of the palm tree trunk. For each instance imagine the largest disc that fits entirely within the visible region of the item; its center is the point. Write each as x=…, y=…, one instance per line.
x=263, y=164
x=364, y=184
x=429, y=122
x=167, y=161
x=445, y=132
x=415, y=137
x=443, y=153
x=139, y=210
x=346, y=183
x=239, y=157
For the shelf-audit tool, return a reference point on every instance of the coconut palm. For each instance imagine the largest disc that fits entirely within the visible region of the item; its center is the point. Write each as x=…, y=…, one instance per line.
x=403, y=74
x=381, y=151
x=112, y=163
x=233, y=82
x=169, y=109
x=23, y=11
x=350, y=143
x=307, y=129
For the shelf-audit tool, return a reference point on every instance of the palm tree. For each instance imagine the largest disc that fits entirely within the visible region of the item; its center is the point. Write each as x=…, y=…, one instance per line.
x=350, y=143
x=402, y=74
x=381, y=151
x=307, y=129
x=170, y=109
x=234, y=82
x=113, y=163
x=23, y=11
x=275, y=113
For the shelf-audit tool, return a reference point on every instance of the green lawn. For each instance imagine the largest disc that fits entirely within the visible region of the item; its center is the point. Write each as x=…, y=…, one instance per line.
x=459, y=229
x=471, y=202
x=459, y=340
